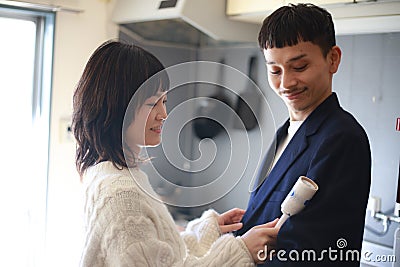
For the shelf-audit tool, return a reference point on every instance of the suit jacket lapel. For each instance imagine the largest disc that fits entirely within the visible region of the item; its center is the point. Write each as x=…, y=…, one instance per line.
x=293, y=150
x=296, y=146
x=268, y=159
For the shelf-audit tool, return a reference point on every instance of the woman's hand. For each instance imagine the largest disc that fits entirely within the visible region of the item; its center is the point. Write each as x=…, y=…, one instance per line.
x=260, y=238
x=230, y=221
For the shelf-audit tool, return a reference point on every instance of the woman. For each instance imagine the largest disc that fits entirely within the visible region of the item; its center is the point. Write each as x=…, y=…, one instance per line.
x=125, y=225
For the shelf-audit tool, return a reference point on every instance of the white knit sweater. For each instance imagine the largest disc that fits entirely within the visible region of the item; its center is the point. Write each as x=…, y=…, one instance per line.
x=126, y=226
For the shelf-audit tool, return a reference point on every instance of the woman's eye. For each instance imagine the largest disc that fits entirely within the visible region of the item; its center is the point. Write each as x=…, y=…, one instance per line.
x=273, y=69
x=165, y=101
x=276, y=72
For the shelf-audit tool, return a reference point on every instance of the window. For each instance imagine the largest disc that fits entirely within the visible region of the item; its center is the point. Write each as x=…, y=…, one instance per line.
x=26, y=50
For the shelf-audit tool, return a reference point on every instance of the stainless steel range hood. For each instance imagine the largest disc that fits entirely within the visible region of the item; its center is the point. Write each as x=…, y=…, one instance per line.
x=191, y=22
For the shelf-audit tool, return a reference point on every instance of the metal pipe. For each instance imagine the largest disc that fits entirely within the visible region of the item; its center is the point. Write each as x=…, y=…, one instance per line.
x=386, y=220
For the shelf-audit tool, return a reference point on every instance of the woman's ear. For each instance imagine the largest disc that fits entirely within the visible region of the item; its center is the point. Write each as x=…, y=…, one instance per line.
x=334, y=57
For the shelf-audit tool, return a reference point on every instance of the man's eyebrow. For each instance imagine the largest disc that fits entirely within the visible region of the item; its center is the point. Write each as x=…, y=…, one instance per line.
x=290, y=60
x=296, y=58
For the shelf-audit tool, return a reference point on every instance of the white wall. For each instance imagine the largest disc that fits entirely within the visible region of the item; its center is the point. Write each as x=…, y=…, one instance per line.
x=367, y=86
x=76, y=37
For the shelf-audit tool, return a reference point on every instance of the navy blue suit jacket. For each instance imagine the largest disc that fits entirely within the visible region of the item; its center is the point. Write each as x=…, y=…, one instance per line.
x=332, y=149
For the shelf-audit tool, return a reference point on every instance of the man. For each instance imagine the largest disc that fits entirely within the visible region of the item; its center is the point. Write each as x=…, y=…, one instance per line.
x=319, y=140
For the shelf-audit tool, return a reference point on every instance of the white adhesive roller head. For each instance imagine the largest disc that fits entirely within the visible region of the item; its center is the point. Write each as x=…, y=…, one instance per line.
x=302, y=192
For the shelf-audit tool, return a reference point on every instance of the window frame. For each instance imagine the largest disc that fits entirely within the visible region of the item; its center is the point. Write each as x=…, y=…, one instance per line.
x=41, y=111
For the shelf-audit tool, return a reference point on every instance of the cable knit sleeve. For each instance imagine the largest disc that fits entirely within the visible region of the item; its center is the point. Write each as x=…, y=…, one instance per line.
x=206, y=246
x=127, y=227
x=143, y=247
x=151, y=251
x=201, y=233
x=226, y=251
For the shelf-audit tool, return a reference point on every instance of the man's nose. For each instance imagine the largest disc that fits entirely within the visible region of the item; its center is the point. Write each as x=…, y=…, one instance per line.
x=288, y=80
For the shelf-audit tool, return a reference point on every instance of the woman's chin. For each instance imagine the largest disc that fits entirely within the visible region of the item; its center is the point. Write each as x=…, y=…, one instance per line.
x=152, y=144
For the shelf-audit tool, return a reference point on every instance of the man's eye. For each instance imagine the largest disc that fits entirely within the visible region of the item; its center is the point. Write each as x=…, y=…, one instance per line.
x=300, y=68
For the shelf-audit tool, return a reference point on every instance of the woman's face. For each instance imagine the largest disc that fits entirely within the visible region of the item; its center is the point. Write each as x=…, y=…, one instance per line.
x=145, y=129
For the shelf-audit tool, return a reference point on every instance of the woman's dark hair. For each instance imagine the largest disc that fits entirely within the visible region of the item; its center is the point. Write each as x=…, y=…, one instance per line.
x=113, y=74
x=288, y=25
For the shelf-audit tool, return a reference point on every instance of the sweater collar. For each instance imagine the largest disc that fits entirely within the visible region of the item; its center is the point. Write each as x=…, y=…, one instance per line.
x=107, y=168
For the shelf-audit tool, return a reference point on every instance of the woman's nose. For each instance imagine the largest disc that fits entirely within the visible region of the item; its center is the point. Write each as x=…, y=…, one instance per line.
x=162, y=113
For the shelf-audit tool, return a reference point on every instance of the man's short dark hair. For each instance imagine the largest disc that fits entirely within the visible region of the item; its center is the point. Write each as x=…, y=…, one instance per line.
x=288, y=25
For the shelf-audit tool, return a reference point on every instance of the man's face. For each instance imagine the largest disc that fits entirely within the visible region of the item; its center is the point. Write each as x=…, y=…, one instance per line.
x=301, y=76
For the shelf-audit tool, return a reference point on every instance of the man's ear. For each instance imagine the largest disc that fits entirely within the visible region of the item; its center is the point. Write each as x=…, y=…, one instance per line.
x=334, y=57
